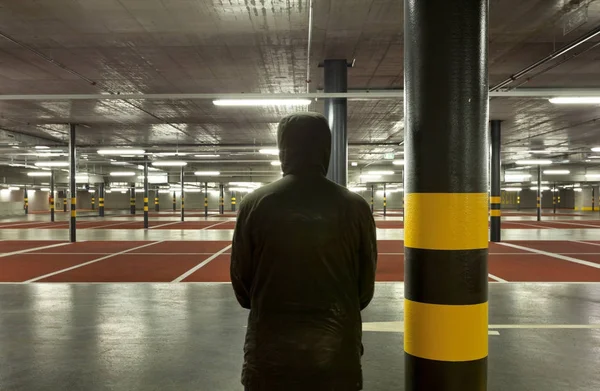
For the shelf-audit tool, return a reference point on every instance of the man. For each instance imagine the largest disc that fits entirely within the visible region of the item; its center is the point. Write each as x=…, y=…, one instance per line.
x=303, y=261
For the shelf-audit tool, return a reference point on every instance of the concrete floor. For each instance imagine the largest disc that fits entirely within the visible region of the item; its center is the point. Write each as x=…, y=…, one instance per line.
x=189, y=337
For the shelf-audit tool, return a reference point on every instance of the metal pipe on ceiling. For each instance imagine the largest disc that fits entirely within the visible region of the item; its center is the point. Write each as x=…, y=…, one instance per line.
x=552, y=56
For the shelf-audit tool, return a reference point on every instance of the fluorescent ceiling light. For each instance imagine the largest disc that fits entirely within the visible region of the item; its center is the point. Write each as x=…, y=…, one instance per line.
x=207, y=173
x=170, y=163
x=49, y=154
x=593, y=157
x=357, y=189
x=52, y=164
x=354, y=164
x=269, y=151
x=276, y=163
x=141, y=167
x=206, y=156
x=39, y=173
x=165, y=154
x=575, y=100
x=246, y=184
x=592, y=176
x=14, y=188
x=380, y=173
x=534, y=162
x=41, y=147
x=557, y=172
x=367, y=176
x=122, y=173
x=45, y=189
x=22, y=165
x=241, y=189
x=120, y=164
x=398, y=162
x=596, y=149
x=579, y=190
x=512, y=189
x=262, y=102
x=192, y=190
x=132, y=152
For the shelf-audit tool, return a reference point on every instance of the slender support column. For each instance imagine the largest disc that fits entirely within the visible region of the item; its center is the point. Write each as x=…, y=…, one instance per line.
x=372, y=198
x=65, y=202
x=518, y=200
x=559, y=204
x=146, y=222
x=221, y=199
x=593, y=197
x=495, y=196
x=205, y=199
x=446, y=222
x=73, y=183
x=182, y=194
x=25, y=201
x=93, y=202
x=336, y=111
x=101, y=200
x=52, y=196
x=132, y=199
x=554, y=197
x=157, y=201
x=539, y=193
x=384, y=200
x=233, y=201
x=174, y=202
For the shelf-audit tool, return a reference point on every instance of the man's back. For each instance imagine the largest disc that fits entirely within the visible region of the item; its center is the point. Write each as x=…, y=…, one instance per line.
x=303, y=261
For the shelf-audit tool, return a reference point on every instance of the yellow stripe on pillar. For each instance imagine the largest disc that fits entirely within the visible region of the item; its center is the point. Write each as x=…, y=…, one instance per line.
x=495, y=213
x=495, y=200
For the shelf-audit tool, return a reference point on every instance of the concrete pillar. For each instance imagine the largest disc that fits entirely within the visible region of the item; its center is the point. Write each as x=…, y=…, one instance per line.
x=336, y=111
x=495, y=196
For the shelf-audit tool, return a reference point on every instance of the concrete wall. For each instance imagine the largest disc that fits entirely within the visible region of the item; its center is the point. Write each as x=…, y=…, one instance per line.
x=583, y=199
x=529, y=199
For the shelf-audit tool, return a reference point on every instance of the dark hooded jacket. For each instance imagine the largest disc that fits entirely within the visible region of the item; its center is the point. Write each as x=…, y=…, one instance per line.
x=303, y=261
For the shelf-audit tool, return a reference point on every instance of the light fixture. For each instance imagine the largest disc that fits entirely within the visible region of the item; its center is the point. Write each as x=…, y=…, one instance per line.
x=192, y=190
x=357, y=189
x=516, y=177
x=557, y=172
x=575, y=100
x=166, y=154
x=354, y=164
x=52, y=164
x=170, y=163
x=120, y=164
x=512, y=189
x=398, y=162
x=596, y=149
x=534, y=162
x=380, y=173
x=39, y=173
x=367, y=176
x=269, y=151
x=262, y=102
x=276, y=163
x=593, y=157
x=45, y=189
x=207, y=173
x=241, y=189
x=141, y=167
x=41, y=147
x=207, y=156
x=82, y=178
x=246, y=184
x=540, y=151
x=14, y=188
x=132, y=152
x=122, y=173
x=592, y=176
x=578, y=189
x=50, y=154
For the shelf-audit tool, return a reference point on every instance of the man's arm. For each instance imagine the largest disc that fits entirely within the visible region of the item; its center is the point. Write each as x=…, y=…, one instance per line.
x=241, y=269
x=367, y=256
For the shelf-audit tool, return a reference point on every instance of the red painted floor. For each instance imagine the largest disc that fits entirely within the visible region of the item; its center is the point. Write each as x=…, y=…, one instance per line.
x=124, y=261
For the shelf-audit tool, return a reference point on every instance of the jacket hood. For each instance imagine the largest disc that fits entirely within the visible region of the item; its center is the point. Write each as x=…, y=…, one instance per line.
x=304, y=141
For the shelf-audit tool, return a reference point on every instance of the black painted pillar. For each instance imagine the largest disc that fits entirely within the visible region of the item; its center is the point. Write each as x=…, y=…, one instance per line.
x=518, y=200
x=73, y=184
x=132, y=199
x=495, y=196
x=65, y=201
x=101, y=200
x=372, y=198
x=539, y=193
x=384, y=200
x=593, y=198
x=174, y=202
x=221, y=199
x=156, y=201
x=205, y=199
x=336, y=111
x=182, y=194
x=446, y=222
x=233, y=201
x=25, y=201
x=52, y=196
x=554, y=197
x=146, y=222
x=93, y=202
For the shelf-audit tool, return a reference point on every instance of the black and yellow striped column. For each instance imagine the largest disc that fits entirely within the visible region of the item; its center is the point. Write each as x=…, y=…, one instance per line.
x=182, y=193
x=205, y=199
x=593, y=197
x=519, y=200
x=539, y=193
x=156, y=202
x=52, y=196
x=233, y=201
x=25, y=201
x=558, y=200
x=146, y=223
x=446, y=184
x=132, y=200
x=372, y=198
x=554, y=198
x=174, y=202
x=495, y=188
x=101, y=200
x=93, y=203
x=384, y=200
x=73, y=183
x=221, y=199
x=65, y=202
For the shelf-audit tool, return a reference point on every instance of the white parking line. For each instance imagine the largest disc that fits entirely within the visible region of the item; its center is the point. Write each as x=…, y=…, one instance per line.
x=201, y=264
x=164, y=225
x=496, y=278
x=557, y=256
x=112, y=225
x=89, y=262
x=32, y=249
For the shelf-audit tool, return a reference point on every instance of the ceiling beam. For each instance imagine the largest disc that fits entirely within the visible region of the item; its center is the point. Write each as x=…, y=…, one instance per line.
x=356, y=94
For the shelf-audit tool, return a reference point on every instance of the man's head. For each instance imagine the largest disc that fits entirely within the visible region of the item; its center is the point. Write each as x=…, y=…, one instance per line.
x=304, y=141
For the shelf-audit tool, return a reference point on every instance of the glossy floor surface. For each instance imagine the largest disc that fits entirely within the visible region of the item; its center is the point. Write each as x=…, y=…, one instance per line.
x=189, y=337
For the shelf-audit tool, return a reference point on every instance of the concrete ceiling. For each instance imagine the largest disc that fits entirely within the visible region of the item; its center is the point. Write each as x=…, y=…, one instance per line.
x=260, y=46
